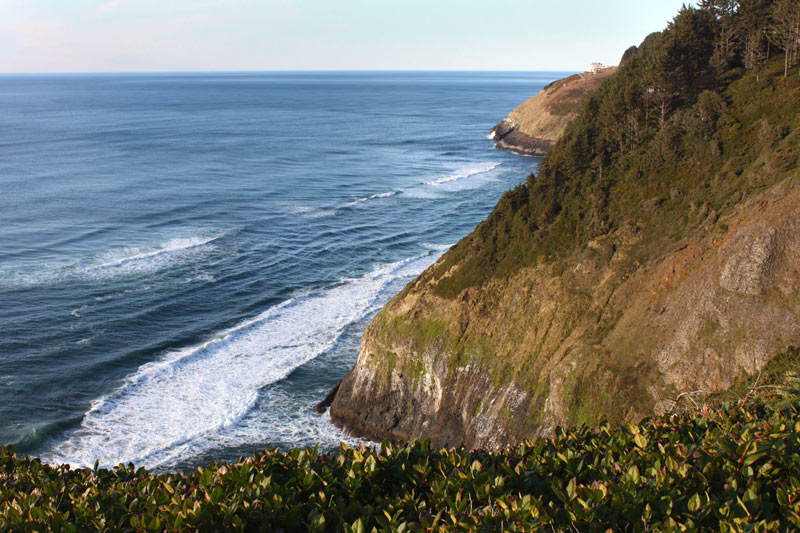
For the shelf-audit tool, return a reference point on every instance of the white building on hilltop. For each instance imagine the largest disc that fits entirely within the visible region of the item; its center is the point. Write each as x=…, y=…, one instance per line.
x=594, y=68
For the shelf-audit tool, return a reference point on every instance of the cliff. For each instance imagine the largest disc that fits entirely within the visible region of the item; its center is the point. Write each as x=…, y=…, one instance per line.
x=542, y=348
x=650, y=263
x=535, y=125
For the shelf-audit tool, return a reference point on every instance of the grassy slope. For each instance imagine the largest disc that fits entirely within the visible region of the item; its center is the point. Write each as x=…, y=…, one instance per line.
x=547, y=114
x=712, y=154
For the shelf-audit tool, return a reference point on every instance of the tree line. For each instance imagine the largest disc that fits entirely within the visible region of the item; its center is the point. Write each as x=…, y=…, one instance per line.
x=663, y=109
x=750, y=31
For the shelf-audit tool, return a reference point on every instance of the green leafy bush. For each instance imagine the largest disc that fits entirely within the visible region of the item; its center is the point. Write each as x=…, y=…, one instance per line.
x=726, y=469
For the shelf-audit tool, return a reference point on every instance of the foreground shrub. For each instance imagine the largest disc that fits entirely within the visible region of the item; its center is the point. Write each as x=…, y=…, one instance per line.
x=729, y=469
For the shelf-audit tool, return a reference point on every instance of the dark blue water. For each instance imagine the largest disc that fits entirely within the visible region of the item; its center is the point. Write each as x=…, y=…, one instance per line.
x=187, y=261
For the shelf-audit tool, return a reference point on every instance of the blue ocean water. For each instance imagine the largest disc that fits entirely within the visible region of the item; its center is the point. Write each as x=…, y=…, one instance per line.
x=187, y=261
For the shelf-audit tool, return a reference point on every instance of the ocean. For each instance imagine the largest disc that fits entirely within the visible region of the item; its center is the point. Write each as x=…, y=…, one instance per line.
x=187, y=261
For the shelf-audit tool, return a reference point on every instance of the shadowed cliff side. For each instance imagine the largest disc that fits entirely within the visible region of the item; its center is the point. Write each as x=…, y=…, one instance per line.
x=652, y=261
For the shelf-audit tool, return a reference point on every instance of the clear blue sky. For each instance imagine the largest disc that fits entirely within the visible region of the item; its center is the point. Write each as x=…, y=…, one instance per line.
x=168, y=35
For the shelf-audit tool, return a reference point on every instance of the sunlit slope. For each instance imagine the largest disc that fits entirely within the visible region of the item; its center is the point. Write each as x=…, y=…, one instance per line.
x=652, y=259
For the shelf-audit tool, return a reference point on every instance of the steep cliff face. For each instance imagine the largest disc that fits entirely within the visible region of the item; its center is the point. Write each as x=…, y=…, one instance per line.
x=517, y=357
x=535, y=125
x=653, y=261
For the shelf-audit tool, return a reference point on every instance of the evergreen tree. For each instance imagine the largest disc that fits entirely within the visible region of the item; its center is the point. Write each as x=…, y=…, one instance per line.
x=751, y=24
x=785, y=30
x=723, y=13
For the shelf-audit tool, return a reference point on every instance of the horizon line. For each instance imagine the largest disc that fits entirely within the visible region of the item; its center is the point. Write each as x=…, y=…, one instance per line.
x=256, y=71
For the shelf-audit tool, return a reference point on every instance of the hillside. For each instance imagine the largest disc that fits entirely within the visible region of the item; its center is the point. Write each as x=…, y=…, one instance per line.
x=651, y=262
x=536, y=124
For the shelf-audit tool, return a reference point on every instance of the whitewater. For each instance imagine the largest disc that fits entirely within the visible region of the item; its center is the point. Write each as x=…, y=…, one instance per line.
x=187, y=261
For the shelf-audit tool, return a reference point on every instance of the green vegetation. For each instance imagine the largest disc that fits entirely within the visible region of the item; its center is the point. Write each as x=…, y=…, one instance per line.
x=730, y=468
x=556, y=85
x=732, y=465
x=700, y=117
x=703, y=115
x=570, y=103
x=432, y=332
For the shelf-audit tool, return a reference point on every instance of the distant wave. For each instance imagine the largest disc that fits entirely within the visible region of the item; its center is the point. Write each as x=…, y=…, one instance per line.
x=170, y=409
x=170, y=247
x=313, y=212
x=121, y=262
x=136, y=261
x=438, y=247
x=480, y=168
x=419, y=192
x=371, y=197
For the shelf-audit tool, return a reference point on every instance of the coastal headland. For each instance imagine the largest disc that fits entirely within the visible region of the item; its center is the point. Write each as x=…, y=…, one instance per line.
x=649, y=264
x=536, y=124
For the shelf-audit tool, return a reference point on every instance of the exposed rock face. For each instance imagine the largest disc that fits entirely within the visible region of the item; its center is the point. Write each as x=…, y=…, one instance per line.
x=509, y=137
x=607, y=336
x=533, y=127
x=649, y=262
x=450, y=408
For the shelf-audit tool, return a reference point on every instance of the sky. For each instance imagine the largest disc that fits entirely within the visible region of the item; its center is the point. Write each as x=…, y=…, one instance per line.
x=207, y=35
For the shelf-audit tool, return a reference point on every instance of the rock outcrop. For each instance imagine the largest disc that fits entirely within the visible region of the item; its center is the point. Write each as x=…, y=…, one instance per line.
x=533, y=127
x=544, y=348
x=653, y=261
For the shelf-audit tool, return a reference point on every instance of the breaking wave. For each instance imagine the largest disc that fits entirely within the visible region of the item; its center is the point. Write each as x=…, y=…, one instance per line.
x=191, y=398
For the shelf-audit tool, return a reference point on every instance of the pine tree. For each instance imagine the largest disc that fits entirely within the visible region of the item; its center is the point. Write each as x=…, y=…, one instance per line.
x=751, y=24
x=785, y=30
x=723, y=14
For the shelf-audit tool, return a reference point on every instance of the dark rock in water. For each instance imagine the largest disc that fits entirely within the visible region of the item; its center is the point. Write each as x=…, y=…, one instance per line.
x=322, y=406
x=502, y=128
x=508, y=137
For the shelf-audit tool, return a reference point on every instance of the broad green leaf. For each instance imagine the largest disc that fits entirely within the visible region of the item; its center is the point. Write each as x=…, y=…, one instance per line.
x=694, y=503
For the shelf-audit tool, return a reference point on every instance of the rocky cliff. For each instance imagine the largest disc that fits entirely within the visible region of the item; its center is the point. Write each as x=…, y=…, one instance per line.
x=518, y=357
x=651, y=262
x=533, y=127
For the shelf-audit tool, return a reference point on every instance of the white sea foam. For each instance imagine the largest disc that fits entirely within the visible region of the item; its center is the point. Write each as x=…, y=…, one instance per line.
x=192, y=398
x=370, y=197
x=281, y=417
x=322, y=213
x=114, y=263
x=76, y=313
x=479, y=175
x=423, y=190
x=137, y=260
x=471, y=170
x=204, y=277
x=313, y=212
x=438, y=247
